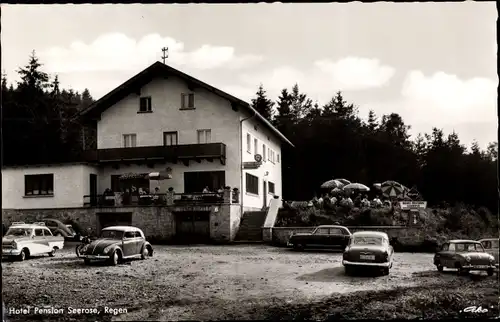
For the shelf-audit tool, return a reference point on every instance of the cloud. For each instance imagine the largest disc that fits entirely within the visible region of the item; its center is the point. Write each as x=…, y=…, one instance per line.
x=325, y=77
x=118, y=52
x=468, y=106
x=354, y=73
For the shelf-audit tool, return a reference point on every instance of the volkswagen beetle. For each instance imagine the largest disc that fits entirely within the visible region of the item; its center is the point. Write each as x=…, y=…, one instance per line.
x=117, y=243
x=465, y=256
x=368, y=249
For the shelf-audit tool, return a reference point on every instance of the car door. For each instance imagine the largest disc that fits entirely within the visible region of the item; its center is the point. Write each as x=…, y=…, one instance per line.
x=128, y=243
x=320, y=237
x=39, y=242
x=139, y=241
x=335, y=238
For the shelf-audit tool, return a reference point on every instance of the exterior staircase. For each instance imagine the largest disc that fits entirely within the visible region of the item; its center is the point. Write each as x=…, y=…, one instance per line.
x=251, y=226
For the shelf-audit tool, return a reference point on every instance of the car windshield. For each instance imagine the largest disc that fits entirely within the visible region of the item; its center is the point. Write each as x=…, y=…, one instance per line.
x=367, y=240
x=113, y=234
x=18, y=232
x=469, y=247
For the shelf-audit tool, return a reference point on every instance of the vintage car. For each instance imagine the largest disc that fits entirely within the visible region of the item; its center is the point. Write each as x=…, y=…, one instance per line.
x=465, y=256
x=24, y=240
x=117, y=243
x=326, y=236
x=368, y=249
x=490, y=245
x=59, y=229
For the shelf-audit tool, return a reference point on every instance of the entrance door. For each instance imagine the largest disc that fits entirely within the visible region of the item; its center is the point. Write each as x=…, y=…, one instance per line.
x=264, y=191
x=93, y=189
x=193, y=227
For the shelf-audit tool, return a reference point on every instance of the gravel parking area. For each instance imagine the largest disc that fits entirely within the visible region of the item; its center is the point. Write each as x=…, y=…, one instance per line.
x=196, y=283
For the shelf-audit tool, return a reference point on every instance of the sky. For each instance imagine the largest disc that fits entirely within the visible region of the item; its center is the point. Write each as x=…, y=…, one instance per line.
x=433, y=63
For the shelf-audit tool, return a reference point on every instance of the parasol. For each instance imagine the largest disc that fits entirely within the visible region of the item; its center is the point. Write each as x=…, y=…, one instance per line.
x=377, y=185
x=356, y=186
x=159, y=176
x=392, y=189
x=344, y=181
x=331, y=184
x=336, y=190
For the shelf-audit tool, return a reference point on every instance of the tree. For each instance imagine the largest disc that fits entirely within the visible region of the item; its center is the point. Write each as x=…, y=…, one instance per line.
x=492, y=151
x=395, y=130
x=300, y=104
x=262, y=104
x=284, y=114
x=31, y=75
x=372, y=121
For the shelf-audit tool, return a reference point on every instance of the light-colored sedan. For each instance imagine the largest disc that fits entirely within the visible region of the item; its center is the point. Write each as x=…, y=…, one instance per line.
x=24, y=240
x=464, y=256
x=368, y=249
x=490, y=245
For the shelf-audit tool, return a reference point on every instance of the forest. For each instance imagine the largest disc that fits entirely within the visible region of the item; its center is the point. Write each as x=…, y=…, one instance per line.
x=331, y=140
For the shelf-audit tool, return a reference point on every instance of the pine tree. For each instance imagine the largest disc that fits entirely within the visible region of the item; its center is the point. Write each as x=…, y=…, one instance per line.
x=300, y=104
x=372, y=121
x=284, y=109
x=31, y=76
x=262, y=104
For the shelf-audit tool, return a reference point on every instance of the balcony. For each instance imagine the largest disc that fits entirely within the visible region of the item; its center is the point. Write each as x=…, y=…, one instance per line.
x=164, y=199
x=173, y=153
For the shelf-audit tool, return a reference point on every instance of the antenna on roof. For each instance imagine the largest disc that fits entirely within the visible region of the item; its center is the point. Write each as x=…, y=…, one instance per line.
x=165, y=54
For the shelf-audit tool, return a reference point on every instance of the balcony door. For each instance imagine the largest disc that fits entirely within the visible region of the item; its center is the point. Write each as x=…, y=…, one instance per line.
x=93, y=189
x=197, y=181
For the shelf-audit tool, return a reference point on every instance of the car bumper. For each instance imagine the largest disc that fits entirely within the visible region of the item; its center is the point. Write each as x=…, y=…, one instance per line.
x=360, y=264
x=11, y=252
x=478, y=267
x=95, y=256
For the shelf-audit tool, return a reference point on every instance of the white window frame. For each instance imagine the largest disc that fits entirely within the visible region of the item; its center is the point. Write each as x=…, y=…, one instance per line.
x=204, y=136
x=264, y=152
x=168, y=138
x=255, y=145
x=130, y=140
x=249, y=143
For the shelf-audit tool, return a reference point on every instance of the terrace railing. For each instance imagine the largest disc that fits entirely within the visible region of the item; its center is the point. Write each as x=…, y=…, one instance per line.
x=119, y=199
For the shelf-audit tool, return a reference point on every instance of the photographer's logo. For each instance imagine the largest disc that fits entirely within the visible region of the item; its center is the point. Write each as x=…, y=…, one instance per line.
x=475, y=309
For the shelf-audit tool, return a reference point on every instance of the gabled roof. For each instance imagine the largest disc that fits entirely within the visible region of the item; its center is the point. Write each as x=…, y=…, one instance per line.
x=159, y=69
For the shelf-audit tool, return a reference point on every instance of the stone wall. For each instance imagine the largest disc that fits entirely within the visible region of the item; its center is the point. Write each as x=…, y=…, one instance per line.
x=157, y=223
x=280, y=235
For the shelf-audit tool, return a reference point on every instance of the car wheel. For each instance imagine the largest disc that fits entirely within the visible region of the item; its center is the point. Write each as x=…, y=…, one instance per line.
x=23, y=255
x=298, y=246
x=86, y=261
x=490, y=271
x=53, y=252
x=461, y=270
x=115, y=258
x=348, y=270
x=439, y=267
x=385, y=270
x=144, y=253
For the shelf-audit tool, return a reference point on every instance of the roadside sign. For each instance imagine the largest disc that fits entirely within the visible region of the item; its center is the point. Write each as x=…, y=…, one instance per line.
x=258, y=158
x=251, y=165
x=408, y=205
x=413, y=193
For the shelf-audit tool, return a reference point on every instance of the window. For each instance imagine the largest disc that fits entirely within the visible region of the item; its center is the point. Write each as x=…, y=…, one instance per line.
x=264, y=152
x=39, y=185
x=204, y=136
x=137, y=234
x=270, y=187
x=278, y=157
x=321, y=231
x=170, y=138
x=38, y=232
x=451, y=247
x=335, y=231
x=252, y=184
x=249, y=144
x=196, y=181
x=129, y=234
x=47, y=232
x=269, y=154
x=145, y=104
x=187, y=101
x=255, y=142
x=129, y=140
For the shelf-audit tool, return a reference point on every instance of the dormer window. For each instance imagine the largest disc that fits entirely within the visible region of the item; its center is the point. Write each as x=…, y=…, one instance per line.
x=145, y=105
x=187, y=101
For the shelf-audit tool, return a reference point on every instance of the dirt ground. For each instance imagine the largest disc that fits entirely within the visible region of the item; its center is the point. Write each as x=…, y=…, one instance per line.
x=223, y=282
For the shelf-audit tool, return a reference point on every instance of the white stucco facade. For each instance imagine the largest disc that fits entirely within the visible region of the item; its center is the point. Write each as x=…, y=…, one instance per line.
x=70, y=183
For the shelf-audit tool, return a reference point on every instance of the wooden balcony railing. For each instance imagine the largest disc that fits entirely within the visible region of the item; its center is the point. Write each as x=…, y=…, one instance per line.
x=184, y=152
x=164, y=199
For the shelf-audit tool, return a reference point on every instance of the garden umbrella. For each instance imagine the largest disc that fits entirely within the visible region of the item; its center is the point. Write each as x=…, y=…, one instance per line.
x=331, y=184
x=158, y=176
x=344, y=181
x=336, y=190
x=356, y=186
x=392, y=189
x=377, y=185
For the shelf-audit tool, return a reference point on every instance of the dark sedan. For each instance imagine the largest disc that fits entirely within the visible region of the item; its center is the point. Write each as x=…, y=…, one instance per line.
x=59, y=229
x=464, y=256
x=368, y=249
x=326, y=236
x=116, y=244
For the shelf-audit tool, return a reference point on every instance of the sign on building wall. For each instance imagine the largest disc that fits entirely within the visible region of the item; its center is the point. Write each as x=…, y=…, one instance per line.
x=253, y=164
x=409, y=205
